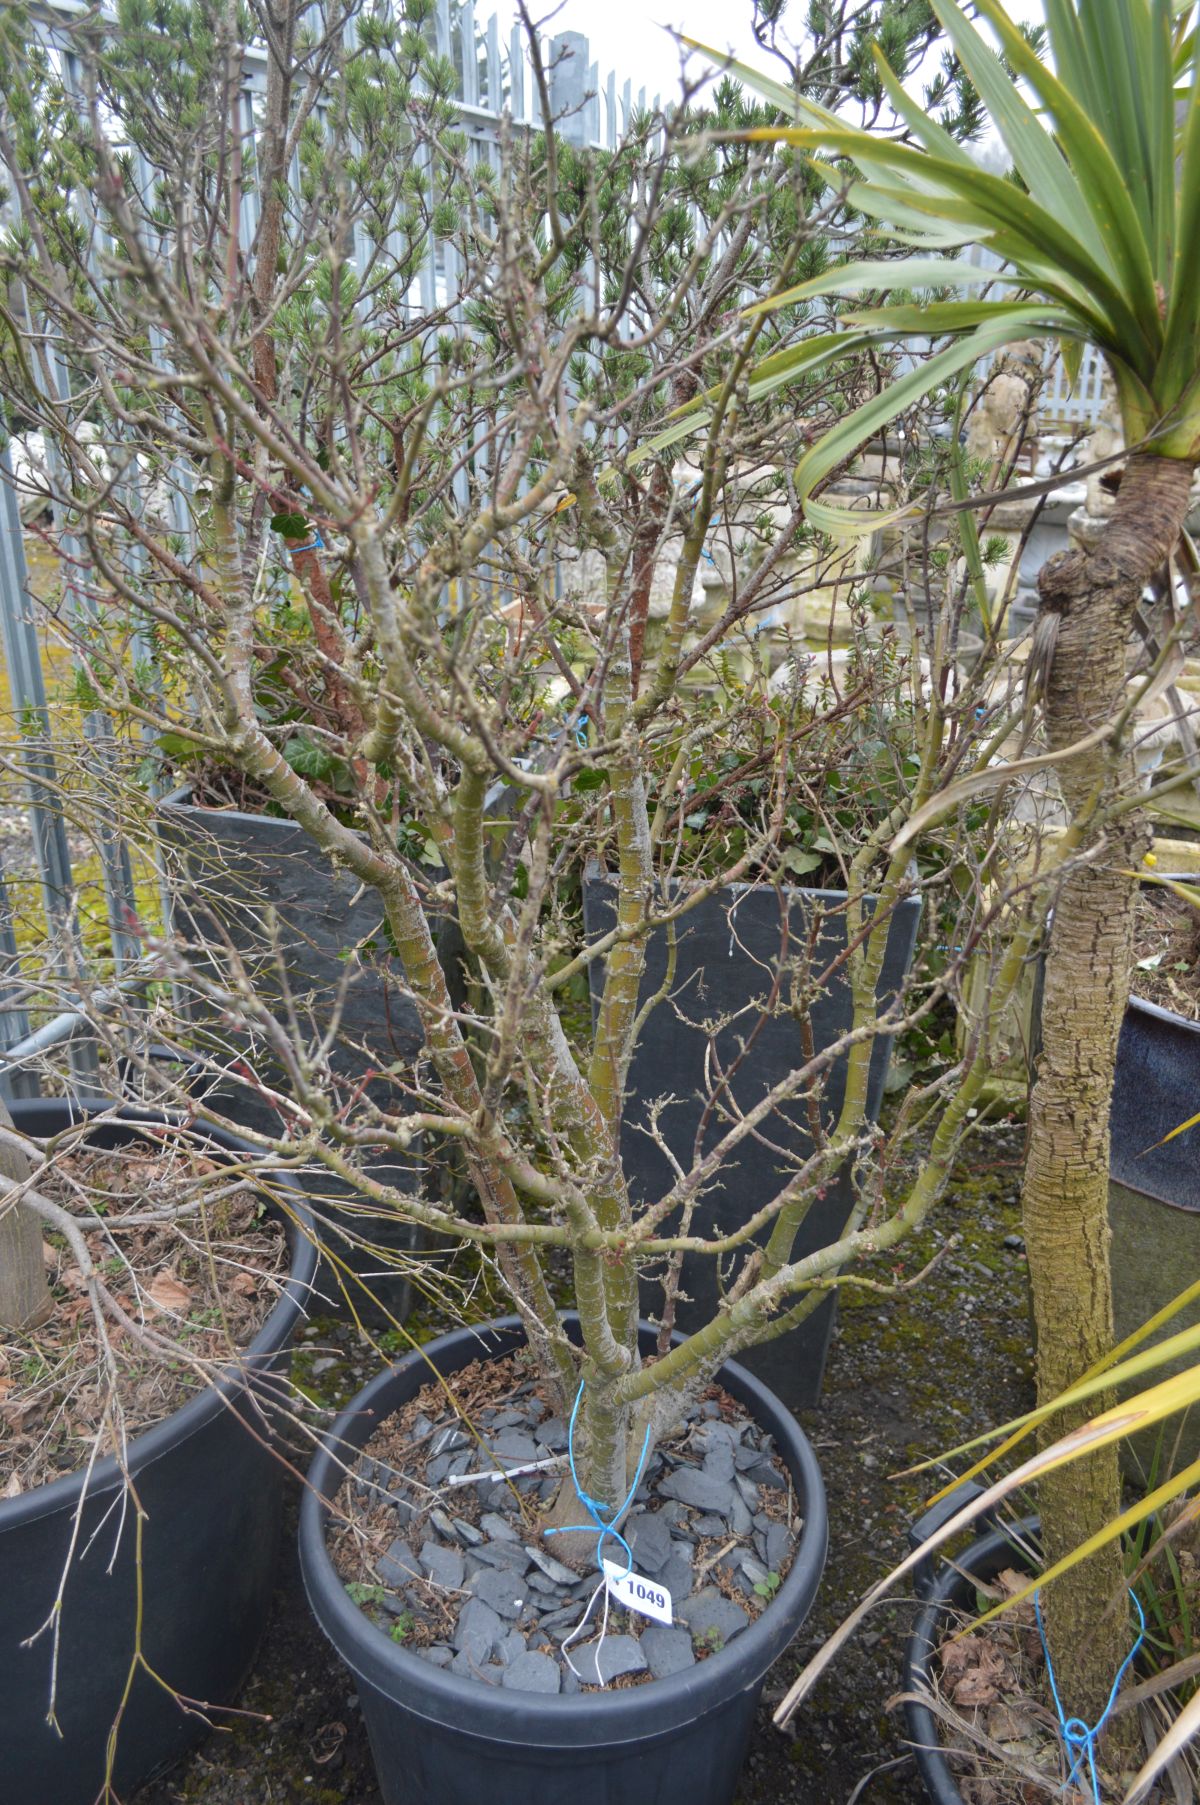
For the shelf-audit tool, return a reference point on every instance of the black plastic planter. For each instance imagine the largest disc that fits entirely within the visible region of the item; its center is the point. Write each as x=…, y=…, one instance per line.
x=947, y=1592
x=237, y=865
x=1154, y=1193
x=727, y=952
x=210, y=1487
x=441, y=1740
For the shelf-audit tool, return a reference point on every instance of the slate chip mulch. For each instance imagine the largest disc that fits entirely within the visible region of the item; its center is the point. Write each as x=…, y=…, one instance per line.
x=459, y=1561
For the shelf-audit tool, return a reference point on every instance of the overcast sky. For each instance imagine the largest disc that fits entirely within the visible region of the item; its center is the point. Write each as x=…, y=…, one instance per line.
x=628, y=36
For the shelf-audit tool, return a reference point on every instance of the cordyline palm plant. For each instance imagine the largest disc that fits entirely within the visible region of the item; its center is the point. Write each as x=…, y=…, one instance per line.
x=1098, y=227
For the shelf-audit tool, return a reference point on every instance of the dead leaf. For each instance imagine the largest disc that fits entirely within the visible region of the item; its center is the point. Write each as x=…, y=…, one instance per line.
x=244, y=1283
x=13, y=1488
x=166, y=1293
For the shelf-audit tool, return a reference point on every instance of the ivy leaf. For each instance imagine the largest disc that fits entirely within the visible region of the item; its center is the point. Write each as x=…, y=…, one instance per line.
x=800, y=862
x=307, y=759
x=292, y=526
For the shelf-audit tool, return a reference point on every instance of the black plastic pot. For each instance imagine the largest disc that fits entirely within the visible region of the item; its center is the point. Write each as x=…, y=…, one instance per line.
x=441, y=1740
x=1154, y=1192
x=211, y=1490
x=726, y=954
x=235, y=865
x=948, y=1592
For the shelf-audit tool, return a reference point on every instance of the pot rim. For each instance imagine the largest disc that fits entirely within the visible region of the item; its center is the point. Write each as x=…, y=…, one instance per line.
x=70, y=1489
x=558, y=1720
x=984, y=1556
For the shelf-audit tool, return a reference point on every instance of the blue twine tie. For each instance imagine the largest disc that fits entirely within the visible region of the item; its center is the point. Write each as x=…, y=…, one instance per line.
x=315, y=544
x=594, y=1507
x=1075, y=1733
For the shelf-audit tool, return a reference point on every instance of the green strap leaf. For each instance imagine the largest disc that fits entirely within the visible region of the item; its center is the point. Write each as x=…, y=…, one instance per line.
x=1126, y=237
x=850, y=433
x=934, y=318
x=1046, y=173
x=1026, y=234
x=884, y=273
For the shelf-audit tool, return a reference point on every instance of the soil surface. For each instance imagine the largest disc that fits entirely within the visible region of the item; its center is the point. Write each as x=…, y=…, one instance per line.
x=1167, y=952
x=908, y=1376
x=187, y=1255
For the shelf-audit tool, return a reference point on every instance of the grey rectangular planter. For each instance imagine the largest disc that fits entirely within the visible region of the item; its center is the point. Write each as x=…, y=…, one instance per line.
x=233, y=867
x=728, y=949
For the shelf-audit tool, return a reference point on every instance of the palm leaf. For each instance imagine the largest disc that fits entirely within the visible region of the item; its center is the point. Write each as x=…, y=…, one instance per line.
x=1046, y=173
x=1181, y=1732
x=1021, y=231
x=848, y=434
x=1101, y=185
x=1139, y=1413
x=883, y=273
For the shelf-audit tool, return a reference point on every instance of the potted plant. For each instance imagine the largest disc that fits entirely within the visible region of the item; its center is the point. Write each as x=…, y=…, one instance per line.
x=1121, y=281
x=963, y=1594
x=137, y=1576
x=445, y=464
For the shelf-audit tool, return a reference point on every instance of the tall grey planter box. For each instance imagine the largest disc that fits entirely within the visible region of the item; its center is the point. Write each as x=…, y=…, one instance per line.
x=727, y=952
x=230, y=869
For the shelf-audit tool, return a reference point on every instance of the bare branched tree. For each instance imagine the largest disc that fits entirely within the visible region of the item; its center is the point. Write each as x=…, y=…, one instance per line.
x=409, y=548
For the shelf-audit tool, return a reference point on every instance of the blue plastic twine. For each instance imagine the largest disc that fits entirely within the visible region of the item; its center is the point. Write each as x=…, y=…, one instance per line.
x=593, y=1506
x=315, y=544
x=1075, y=1733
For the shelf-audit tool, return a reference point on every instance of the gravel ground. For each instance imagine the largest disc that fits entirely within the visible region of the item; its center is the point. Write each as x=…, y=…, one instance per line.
x=907, y=1376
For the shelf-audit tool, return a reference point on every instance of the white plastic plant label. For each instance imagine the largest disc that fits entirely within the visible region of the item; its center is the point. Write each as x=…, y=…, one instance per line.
x=637, y=1593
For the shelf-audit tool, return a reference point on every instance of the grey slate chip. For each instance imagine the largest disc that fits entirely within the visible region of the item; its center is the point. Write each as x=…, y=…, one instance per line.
x=650, y=1539
x=496, y=1528
x=478, y=1631
x=676, y=1574
x=510, y=1557
x=444, y=1566
x=513, y=1446
x=449, y=1441
x=667, y=1651
x=601, y=1661
x=709, y=1610
x=512, y=1647
x=504, y=1591
x=437, y=1655
x=466, y=1532
x=777, y=1540
x=740, y=1520
x=699, y=1490
x=710, y=1526
x=532, y=1672
x=399, y=1565
x=718, y=1463
x=552, y=1569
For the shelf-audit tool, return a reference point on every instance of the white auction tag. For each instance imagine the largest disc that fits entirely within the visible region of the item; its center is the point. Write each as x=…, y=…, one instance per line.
x=637, y=1593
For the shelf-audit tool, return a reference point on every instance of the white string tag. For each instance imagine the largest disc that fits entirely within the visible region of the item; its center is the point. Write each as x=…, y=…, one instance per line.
x=637, y=1593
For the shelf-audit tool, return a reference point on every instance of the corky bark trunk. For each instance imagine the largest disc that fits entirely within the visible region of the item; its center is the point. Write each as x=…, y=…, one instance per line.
x=1088, y=600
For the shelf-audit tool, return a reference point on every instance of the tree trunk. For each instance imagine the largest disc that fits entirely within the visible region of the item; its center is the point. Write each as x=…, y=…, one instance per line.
x=25, y=1300
x=1091, y=596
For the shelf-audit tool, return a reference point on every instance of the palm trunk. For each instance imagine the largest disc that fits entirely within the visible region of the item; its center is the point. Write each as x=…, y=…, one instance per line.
x=1093, y=594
